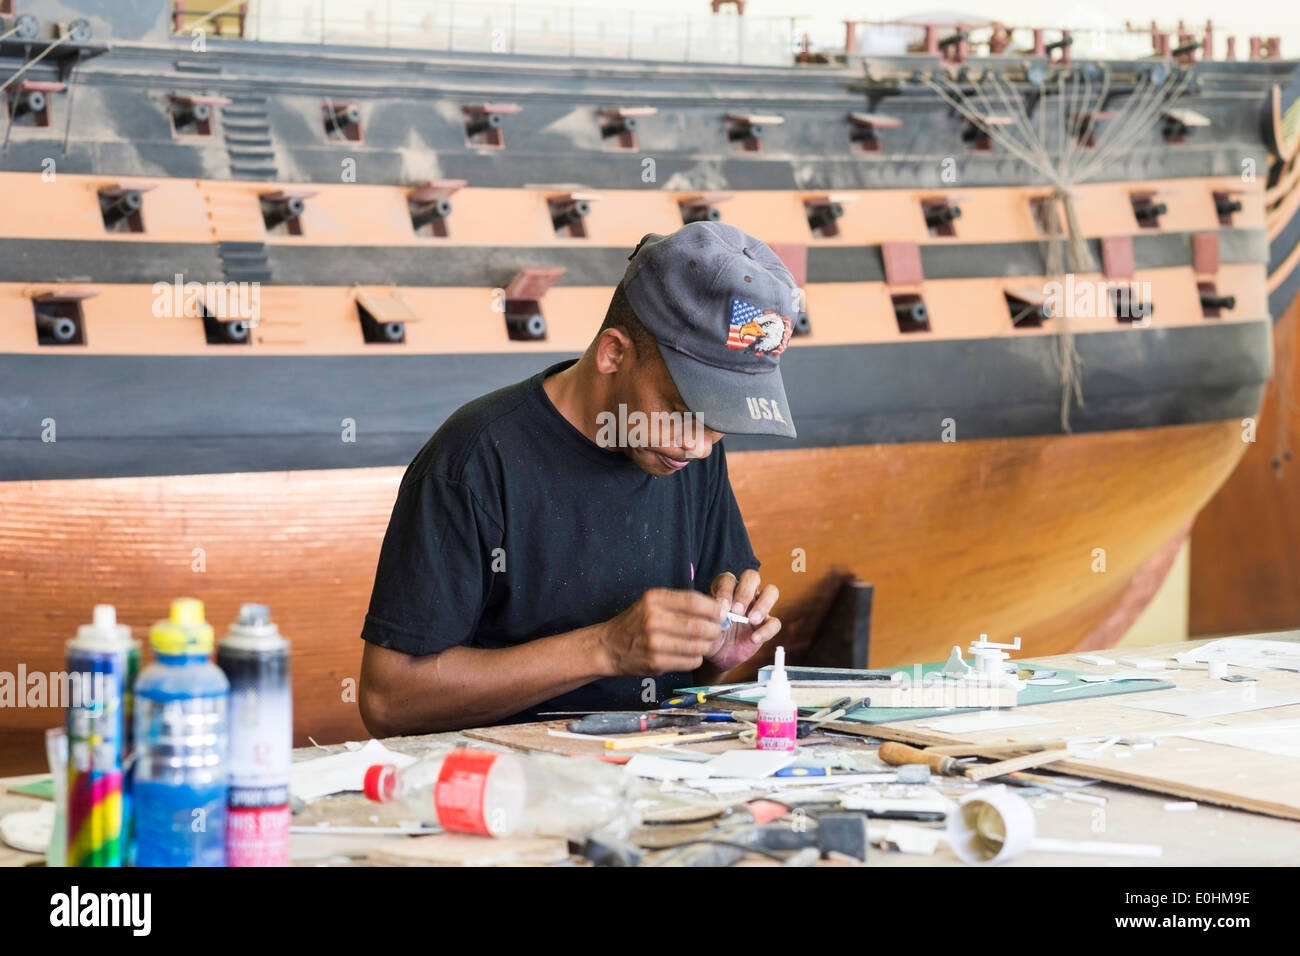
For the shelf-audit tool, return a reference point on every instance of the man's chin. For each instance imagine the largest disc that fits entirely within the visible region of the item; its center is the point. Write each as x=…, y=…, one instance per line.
x=652, y=462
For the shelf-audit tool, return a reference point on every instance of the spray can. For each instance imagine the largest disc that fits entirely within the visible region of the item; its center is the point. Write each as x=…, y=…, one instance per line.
x=180, y=772
x=98, y=686
x=255, y=659
x=778, y=717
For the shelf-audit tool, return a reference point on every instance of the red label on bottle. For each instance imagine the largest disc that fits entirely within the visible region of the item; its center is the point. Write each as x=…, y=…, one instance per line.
x=257, y=836
x=458, y=794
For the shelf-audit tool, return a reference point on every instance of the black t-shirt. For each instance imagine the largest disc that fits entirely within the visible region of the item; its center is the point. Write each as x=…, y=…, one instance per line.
x=510, y=525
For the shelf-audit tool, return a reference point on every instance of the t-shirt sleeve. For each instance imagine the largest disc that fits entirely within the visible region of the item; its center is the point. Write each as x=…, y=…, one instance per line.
x=434, y=569
x=726, y=542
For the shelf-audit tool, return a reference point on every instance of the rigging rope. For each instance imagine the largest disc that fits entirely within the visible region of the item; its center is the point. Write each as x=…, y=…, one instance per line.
x=1069, y=163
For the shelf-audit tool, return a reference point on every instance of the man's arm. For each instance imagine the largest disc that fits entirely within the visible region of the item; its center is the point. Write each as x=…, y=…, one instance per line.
x=665, y=630
x=472, y=686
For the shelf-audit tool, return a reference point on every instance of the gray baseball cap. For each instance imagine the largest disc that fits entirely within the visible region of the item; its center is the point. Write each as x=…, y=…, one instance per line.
x=718, y=302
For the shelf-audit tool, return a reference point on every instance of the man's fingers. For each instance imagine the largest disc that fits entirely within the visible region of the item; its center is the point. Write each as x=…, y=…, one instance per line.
x=724, y=586
x=746, y=588
x=684, y=641
x=692, y=604
x=693, y=626
x=766, y=631
x=766, y=600
x=669, y=653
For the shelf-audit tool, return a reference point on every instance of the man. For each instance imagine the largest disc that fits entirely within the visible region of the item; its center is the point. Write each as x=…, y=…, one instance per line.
x=549, y=551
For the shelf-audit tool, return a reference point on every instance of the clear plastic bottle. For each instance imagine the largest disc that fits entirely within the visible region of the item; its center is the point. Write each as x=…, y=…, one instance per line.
x=500, y=794
x=180, y=777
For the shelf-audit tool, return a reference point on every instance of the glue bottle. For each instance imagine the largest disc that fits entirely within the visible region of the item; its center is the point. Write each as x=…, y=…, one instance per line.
x=778, y=718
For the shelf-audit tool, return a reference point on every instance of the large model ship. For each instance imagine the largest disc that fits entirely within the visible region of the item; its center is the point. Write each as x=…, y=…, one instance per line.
x=239, y=288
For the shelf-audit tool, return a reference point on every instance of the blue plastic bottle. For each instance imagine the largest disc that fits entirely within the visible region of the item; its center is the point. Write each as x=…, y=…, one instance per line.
x=180, y=778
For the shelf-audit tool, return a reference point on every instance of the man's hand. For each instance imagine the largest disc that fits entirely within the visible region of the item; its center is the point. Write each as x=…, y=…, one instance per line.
x=738, y=642
x=665, y=630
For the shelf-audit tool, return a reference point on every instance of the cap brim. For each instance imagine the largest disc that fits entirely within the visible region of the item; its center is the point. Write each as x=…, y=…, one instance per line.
x=734, y=403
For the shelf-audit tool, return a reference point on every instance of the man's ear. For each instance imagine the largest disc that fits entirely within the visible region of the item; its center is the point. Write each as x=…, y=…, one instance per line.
x=614, y=351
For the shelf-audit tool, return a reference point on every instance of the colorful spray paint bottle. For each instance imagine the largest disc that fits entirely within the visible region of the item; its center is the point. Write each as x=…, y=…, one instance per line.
x=778, y=717
x=180, y=775
x=99, y=685
x=255, y=659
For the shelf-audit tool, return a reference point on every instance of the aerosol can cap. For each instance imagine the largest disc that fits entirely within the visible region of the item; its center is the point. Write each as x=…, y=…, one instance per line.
x=104, y=632
x=186, y=630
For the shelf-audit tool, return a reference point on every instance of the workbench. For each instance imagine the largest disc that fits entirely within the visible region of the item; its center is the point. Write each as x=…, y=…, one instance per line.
x=1209, y=835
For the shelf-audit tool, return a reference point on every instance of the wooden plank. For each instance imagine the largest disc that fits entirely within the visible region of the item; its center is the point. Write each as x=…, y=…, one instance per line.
x=1040, y=759
x=458, y=849
x=536, y=738
x=1196, y=770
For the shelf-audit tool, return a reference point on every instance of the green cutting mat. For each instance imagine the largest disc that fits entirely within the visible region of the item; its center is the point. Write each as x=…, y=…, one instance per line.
x=1031, y=694
x=37, y=788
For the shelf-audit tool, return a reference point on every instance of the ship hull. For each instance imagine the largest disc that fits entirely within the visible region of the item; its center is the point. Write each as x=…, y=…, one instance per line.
x=1036, y=536
x=1245, y=568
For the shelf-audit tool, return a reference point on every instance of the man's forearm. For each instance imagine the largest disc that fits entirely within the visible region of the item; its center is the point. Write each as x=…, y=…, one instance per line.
x=475, y=687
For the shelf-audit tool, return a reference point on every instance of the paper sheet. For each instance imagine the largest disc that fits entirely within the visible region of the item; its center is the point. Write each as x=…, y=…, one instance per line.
x=665, y=768
x=341, y=772
x=1281, y=737
x=1248, y=652
x=748, y=763
x=1215, y=703
x=986, y=720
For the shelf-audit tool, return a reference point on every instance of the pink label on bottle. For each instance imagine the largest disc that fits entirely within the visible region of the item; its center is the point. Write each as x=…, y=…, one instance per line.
x=257, y=836
x=777, y=734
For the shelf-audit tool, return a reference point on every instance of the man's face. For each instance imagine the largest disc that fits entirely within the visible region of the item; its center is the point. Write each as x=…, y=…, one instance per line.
x=671, y=441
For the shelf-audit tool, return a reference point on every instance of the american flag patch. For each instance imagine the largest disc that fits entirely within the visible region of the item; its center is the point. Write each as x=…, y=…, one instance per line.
x=757, y=330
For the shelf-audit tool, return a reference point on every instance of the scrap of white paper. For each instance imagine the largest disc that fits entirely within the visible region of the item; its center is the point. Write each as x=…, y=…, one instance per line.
x=1214, y=703
x=665, y=768
x=911, y=839
x=985, y=720
x=749, y=763
x=1248, y=652
x=926, y=801
x=1281, y=737
x=1117, y=675
x=1143, y=663
x=341, y=772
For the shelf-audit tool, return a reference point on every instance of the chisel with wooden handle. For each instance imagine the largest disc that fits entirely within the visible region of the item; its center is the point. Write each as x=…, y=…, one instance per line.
x=899, y=754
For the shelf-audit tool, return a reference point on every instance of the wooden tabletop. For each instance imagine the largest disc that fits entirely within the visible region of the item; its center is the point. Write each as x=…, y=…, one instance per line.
x=1210, y=835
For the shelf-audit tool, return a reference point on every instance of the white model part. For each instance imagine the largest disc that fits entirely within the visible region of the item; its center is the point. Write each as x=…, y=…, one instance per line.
x=990, y=655
x=956, y=667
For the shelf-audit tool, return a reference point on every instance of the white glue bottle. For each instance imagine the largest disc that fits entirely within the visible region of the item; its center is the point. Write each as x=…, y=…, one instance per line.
x=778, y=718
